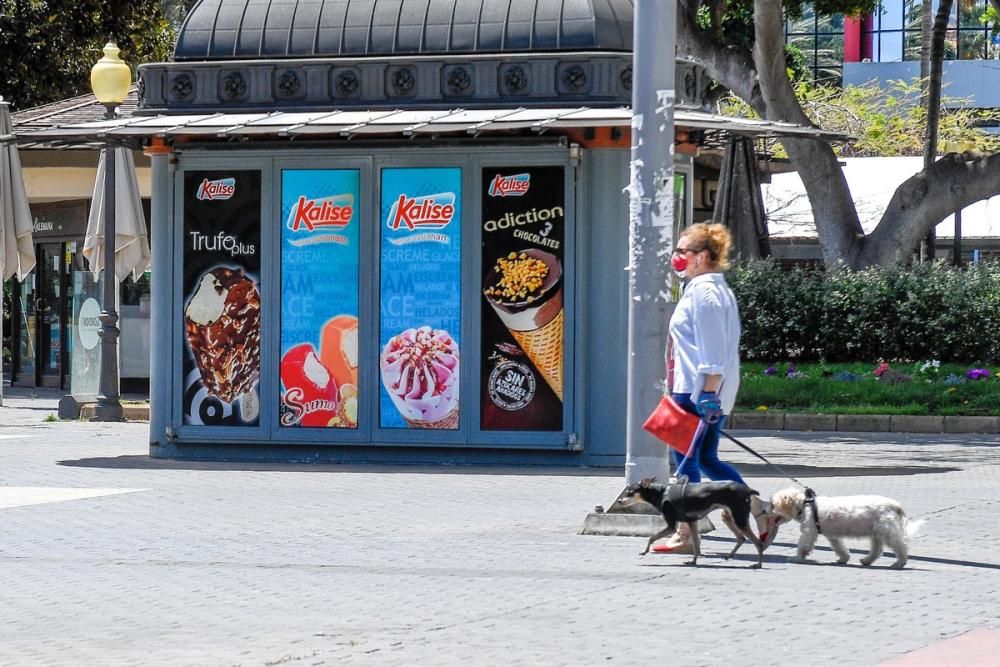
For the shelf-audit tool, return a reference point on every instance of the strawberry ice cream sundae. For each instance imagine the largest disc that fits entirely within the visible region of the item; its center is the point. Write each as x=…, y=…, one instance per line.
x=420, y=373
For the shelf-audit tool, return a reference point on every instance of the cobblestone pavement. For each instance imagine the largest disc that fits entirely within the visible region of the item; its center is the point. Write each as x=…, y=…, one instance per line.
x=152, y=562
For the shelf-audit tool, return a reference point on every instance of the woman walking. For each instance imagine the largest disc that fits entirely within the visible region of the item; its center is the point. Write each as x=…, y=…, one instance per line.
x=703, y=354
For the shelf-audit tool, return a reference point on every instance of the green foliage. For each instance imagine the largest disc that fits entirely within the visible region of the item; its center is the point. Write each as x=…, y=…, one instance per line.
x=884, y=122
x=797, y=63
x=992, y=18
x=47, y=47
x=818, y=389
x=928, y=311
x=737, y=29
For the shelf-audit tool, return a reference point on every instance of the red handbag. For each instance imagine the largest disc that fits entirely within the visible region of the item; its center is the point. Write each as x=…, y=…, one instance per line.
x=673, y=425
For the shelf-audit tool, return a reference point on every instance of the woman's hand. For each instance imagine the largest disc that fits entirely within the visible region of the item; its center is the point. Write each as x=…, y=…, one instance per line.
x=709, y=407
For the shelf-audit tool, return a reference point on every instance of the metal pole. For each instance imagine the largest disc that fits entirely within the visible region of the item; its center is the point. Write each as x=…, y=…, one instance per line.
x=160, y=371
x=651, y=217
x=109, y=407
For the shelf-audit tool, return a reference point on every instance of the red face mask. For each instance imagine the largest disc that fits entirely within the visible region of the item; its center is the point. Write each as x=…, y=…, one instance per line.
x=679, y=262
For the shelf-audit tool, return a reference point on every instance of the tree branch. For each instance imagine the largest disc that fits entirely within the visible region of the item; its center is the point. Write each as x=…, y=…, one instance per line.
x=730, y=66
x=925, y=199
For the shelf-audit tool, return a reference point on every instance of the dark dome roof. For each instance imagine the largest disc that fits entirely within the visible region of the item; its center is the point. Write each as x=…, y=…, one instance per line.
x=228, y=29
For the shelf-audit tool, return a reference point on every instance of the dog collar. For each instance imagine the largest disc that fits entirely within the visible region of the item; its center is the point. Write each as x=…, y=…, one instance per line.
x=811, y=502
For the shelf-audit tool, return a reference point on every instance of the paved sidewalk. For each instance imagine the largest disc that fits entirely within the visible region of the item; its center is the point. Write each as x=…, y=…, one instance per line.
x=110, y=558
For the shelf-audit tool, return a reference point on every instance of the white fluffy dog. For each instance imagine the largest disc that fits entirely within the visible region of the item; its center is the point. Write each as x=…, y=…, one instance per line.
x=835, y=517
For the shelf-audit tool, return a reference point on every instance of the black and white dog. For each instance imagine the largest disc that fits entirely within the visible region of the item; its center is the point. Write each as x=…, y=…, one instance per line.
x=687, y=503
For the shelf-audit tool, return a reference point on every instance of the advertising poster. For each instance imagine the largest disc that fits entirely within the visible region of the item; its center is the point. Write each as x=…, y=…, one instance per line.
x=221, y=297
x=420, y=289
x=319, y=298
x=523, y=320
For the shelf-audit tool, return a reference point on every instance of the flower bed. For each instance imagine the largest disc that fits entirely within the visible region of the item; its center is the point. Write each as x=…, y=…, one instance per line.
x=924, y=388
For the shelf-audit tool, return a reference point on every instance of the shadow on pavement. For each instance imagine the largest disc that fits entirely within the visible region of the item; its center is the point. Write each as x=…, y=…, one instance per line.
x=764, y=470
x=881, y=564
x=140, y=462
x=865, y=439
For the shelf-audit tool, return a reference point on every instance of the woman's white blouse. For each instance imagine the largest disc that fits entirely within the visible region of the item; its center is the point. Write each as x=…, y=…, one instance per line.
x=705, y=330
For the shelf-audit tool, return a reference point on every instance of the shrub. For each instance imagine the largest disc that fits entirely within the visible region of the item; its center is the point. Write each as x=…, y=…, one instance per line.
x=928, y=311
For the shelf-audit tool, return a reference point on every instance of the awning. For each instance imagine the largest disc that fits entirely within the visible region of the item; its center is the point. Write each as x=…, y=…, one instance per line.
x=405, y=123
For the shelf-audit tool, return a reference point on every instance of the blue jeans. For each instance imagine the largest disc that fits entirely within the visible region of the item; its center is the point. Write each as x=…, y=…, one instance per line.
x=706, y=455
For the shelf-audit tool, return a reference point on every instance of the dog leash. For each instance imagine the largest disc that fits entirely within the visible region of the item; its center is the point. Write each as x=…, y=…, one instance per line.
x=810, y=494
x=773, y=465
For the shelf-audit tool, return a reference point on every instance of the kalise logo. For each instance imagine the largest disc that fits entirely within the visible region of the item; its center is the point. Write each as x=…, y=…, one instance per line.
x=426, y=212
x=224, y=188
x=514, y=185
x=333, y=211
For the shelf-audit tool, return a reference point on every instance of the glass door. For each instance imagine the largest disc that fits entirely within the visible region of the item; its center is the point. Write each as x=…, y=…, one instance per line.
x=27, y=328
x=48, y=307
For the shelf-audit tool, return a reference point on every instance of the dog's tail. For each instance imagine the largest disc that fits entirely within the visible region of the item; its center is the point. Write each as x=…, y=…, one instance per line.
x=912, y=527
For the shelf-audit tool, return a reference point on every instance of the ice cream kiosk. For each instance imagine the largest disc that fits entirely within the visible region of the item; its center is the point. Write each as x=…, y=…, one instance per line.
x=392, y=232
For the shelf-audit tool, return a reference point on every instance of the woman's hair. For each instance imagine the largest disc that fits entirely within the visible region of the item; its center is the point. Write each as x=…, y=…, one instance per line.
x=714, y=238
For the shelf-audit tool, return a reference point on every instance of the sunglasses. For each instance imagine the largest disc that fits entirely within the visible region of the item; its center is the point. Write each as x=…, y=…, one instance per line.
x=685, y=251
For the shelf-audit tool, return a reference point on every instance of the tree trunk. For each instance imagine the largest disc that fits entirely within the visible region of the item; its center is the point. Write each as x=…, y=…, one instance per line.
x=934, y=81
x=837, y=224
x=933, y=102
x=926, y=26
x=732, y=67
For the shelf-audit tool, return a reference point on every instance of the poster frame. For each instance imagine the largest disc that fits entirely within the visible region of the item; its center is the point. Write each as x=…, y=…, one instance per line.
x=568, y=435
x=266, y=389
x=369, y=160
x=411, y=436
x=367, y=314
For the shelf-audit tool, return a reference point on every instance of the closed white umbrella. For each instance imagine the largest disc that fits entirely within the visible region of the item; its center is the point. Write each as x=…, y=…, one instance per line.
x=17, y=250
x=131, y=240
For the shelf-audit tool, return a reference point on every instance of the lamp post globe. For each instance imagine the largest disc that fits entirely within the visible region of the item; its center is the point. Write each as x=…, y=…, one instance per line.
x=110, y=79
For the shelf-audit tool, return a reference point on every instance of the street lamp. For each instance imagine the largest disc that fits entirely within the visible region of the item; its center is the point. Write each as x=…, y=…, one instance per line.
x=110, y=80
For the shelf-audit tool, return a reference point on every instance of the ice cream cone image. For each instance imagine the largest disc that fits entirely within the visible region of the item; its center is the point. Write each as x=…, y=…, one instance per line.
x=419, y=369
x=222, y=323
x=449, y=421
x=525, y=290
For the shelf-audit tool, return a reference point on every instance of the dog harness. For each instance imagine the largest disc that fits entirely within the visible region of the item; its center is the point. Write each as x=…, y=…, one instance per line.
x=677, y=491
x=811, y=502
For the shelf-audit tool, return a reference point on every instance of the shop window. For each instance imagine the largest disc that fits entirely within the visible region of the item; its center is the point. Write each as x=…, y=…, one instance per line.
x=420, y=298
x=523, y=358
x=820, y=39
x=133, y=346
x=221, y=297
x=382, y=309
x=320, y=245
x=967, y=38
